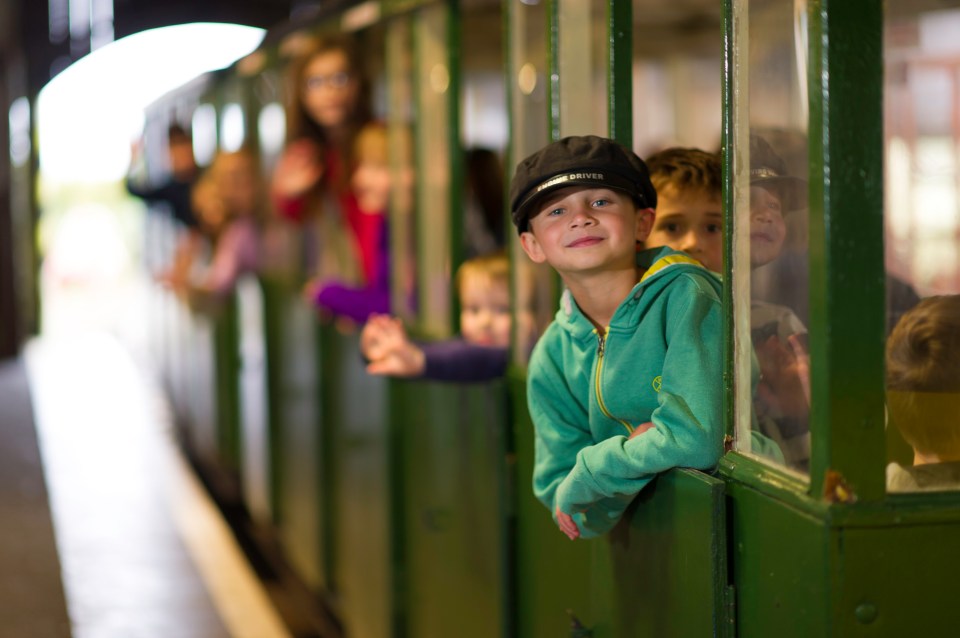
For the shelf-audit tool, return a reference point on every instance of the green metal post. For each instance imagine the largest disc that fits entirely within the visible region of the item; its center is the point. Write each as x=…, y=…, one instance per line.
x=846, y=249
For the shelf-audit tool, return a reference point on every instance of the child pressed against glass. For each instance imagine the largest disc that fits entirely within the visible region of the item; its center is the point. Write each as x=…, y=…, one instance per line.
x=782, y=400
x=480, y=354
x=636, y=338
x=689, y=211
x=923, y=394
x=689, y=218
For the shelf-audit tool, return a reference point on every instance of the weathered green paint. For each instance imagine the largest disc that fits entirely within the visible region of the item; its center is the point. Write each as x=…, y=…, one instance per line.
x=669, y=558
x=727, y=127
x=553, y=578
x=356, y=483
x=227, y=359
x=894, y=580
x=302, y=530
x=846, y=245
x=453, y=447
x=273, y=294
x=620, y=70
x=778, y=561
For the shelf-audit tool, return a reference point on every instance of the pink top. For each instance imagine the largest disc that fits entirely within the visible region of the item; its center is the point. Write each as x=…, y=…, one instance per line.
x=237, y=251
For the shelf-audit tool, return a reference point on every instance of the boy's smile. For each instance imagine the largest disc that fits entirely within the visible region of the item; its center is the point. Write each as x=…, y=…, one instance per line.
x=767, y=228
x=578, y=230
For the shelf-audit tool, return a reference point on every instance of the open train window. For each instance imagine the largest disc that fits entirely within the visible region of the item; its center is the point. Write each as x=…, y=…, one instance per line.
x=535, y=286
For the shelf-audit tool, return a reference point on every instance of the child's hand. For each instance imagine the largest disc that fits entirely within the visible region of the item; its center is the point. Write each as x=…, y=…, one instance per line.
x=385, y=344
x=298, y=169
x=640, y=429
x=375, y=337
x=784, y=376
x=567, y=525
x=310, y=290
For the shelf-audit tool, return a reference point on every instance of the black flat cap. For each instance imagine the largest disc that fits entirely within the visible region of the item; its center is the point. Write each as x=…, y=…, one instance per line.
x=588, y=160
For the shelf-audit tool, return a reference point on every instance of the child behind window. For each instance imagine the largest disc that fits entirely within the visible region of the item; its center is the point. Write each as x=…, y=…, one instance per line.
x=923, y=394
x=479, y=354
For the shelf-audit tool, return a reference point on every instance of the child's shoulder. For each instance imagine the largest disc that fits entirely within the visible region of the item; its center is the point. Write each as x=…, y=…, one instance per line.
x=667, y=267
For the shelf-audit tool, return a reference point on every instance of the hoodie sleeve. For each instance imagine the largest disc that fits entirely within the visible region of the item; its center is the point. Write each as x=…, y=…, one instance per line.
x=688, y=428
x=560, y=419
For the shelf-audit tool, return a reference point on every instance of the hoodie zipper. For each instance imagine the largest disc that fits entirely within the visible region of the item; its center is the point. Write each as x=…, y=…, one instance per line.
x=601, y=348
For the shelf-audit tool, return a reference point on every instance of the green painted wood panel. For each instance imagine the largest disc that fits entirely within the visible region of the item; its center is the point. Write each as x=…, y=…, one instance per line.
x=301, y=525
x=454, y=507
x=554, y=582
x=358, y=482
x=779, y=568
x=669, y=558
x=895, y=580
x=227, y=357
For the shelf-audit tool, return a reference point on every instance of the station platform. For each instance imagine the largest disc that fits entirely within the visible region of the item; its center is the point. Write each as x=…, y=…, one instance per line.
x=106, y=530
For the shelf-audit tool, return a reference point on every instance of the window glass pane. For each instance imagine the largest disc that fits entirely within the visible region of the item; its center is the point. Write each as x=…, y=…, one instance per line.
x=771, y=281
x=922, y=240
x=534, y=285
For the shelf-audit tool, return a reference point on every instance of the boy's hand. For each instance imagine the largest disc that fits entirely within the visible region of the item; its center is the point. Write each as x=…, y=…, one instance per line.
x=567, y=525
x=640, y=429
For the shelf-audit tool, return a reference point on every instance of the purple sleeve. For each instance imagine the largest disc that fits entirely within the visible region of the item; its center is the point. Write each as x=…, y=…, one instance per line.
x=356, y=303
x=459, y=361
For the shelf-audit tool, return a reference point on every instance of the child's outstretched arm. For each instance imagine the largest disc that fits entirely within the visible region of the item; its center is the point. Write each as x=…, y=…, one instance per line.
x=384, y=343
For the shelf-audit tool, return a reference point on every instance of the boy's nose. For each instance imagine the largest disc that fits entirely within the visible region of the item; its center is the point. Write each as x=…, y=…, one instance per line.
x=582, y=217
x=690, y=243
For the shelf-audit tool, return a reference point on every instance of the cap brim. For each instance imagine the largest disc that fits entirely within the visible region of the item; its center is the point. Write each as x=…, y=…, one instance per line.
x=792, y=190
x=531, y=201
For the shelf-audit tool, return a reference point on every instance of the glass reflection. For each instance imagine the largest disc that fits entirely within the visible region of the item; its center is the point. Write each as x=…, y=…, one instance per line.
x=771, y=233
x=922, y=246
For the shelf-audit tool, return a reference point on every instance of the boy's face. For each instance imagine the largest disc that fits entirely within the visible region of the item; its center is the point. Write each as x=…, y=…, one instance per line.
x=581, y=230
x=767, y=228
x=485, y=311
x=691, y=222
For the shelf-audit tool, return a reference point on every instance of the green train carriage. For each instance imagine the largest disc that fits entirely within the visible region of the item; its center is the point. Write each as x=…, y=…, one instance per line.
x=406, y=506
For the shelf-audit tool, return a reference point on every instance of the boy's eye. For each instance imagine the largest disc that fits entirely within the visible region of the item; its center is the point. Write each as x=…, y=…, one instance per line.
x=669, y=227
x=714, y=228
x=600, y=202
x=553, y=212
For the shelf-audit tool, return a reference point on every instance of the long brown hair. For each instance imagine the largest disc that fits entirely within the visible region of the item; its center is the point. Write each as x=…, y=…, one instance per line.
x=299, y=123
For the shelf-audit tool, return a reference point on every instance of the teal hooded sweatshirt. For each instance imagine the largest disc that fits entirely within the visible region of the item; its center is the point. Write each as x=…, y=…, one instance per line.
x=659, y=360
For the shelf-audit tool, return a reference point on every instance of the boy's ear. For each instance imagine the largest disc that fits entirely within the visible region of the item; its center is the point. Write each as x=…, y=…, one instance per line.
x=531, y=246
x=645, y=217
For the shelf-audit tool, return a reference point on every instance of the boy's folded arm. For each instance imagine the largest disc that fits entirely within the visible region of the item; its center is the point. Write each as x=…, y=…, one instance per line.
x=561, y=424
x=688, y=428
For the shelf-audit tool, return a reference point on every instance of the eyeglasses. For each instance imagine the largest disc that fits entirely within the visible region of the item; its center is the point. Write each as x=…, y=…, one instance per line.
x=334, y=80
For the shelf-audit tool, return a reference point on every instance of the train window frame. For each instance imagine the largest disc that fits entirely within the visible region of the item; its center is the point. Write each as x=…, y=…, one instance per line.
x=845, y=256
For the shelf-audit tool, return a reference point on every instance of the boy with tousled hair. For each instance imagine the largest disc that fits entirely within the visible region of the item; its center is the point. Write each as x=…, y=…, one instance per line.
x=689, y=209
x=923, y=394
x=626, y=381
